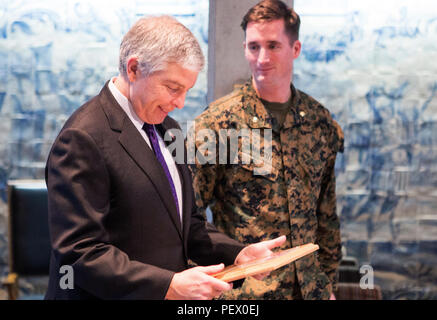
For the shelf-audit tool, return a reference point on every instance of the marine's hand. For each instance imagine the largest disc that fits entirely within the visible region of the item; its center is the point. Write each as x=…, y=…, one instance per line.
x=259, y=250
x=197, y=284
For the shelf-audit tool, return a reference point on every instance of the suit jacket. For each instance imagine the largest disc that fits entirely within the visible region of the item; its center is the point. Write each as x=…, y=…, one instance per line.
x=112, y=216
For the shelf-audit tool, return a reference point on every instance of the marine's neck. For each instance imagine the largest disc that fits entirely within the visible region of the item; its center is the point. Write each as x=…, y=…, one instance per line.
x=280, y=93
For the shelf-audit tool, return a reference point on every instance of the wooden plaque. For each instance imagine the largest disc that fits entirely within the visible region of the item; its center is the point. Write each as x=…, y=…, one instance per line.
x=279, y=259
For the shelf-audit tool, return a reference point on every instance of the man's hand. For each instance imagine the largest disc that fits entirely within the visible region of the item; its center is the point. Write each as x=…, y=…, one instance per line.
x=197, y=284
x=259, y=250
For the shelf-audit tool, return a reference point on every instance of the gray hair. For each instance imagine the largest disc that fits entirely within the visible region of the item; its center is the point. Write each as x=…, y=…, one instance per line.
x=157, y=41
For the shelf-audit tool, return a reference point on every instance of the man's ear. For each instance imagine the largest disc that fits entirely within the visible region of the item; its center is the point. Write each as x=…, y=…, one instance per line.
x=245, y=51
x=297, y=46
x=132, y=69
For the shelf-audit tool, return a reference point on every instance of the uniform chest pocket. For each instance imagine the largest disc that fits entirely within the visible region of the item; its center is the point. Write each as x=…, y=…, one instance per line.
x=263, y=167
x=313, y=152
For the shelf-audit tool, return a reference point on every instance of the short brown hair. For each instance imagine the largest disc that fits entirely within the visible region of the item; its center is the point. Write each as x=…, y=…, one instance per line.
x=268, y=10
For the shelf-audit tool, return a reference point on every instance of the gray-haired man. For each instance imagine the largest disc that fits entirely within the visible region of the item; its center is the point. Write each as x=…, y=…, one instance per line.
x=120, y=209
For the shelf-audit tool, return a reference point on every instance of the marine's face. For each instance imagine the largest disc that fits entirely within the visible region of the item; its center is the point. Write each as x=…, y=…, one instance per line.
x=269, y=53
x=156, y=95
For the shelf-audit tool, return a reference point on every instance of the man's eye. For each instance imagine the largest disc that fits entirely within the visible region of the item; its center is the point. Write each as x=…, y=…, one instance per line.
x=172, y=89
x=253, y=47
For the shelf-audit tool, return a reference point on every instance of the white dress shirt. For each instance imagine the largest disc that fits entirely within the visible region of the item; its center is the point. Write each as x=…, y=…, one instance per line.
x=138, y=123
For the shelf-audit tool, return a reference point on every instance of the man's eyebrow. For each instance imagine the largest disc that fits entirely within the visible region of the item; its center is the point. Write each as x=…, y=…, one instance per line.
x=180, y=86
x=268, y=42
x=273, y=42
x=175, y=83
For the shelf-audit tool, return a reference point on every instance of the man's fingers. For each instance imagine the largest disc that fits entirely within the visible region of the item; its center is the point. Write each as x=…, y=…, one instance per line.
x=212, y=269
x=275, y=242
x=219, y=285
x=259, y=250
x=197, y=283
x=216, y=284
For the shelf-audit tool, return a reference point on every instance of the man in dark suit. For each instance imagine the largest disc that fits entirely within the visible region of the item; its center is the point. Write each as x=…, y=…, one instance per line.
x=121, y=210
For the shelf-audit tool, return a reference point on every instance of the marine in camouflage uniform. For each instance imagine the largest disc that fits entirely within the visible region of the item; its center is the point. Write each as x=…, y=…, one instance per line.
x=296, y=197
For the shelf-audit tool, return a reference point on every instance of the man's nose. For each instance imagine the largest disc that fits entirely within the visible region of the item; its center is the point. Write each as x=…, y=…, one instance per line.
x=263, y=56
x=179, y=101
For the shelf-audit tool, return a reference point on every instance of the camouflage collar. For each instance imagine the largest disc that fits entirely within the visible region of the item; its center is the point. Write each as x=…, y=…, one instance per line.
x=257, y=115
x=255, y=112
x=299, y=111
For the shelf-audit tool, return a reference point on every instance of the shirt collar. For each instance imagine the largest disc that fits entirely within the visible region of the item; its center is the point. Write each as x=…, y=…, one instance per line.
x=258, y=117
x=256, y=114
x=128, y=109
x=125, y=105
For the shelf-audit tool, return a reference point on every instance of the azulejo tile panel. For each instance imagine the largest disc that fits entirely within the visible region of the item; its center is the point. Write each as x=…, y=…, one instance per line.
x=371, y=64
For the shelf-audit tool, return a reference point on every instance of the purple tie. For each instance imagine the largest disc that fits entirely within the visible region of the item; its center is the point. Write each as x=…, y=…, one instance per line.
x=155, y=144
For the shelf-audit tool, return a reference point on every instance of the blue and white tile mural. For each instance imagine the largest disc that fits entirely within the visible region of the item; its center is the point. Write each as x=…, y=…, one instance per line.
x=373, y=64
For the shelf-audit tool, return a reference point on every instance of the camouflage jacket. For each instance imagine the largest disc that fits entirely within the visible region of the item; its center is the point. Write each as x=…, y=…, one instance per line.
x=295, y=196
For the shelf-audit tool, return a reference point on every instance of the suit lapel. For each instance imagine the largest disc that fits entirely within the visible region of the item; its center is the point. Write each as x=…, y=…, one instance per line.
x=134, y=144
